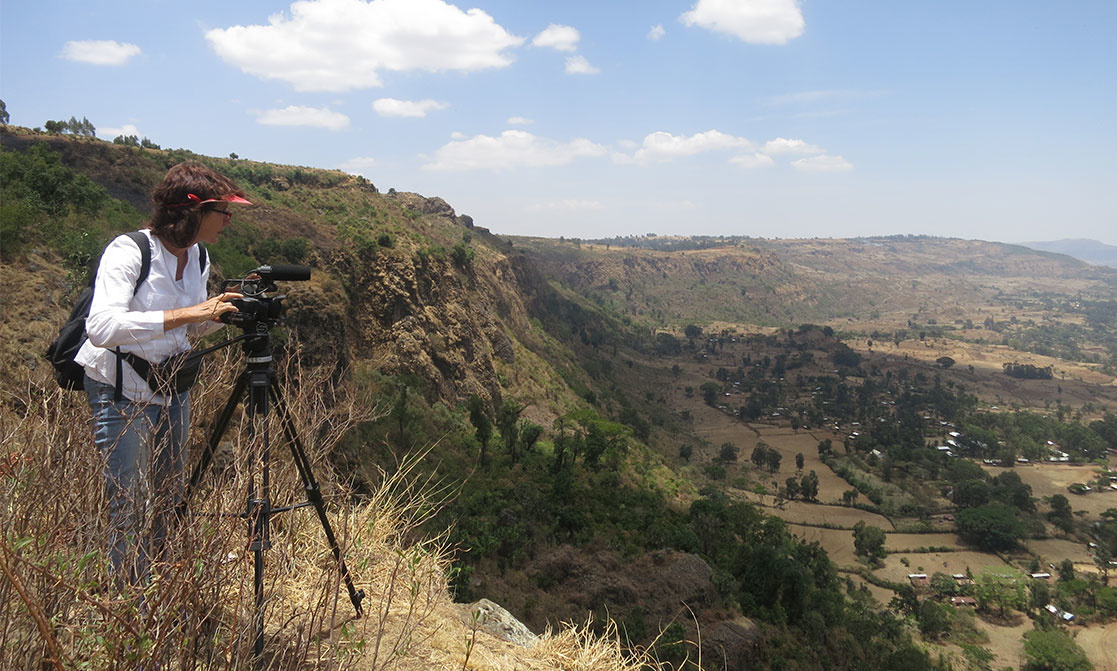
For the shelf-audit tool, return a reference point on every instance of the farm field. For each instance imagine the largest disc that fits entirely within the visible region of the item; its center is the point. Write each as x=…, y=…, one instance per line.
x=900, y=541
x=939, y=562
x=1052, y=550
x=838, y=543
x=723, y=429
x=882, y=594
x=798, y=512
x=1049, y=479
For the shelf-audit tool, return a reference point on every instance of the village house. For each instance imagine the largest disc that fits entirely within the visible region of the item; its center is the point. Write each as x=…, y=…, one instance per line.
x=919, y=580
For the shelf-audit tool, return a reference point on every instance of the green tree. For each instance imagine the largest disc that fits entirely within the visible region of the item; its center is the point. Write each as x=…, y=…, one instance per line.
x=799, y=461
x=793, y=488
x=482, y=425
x=506, y=417
x=1066, y=570
x=3, y=113
x=943, y=585
x=772, y=460
x=933, y=618
x=993, y=526
x=760, y=454
x=1061, y=515
x=1102, y=556
x=710, y=392
x=1053, y=650
x=728, y=452
x=971, y=493
x=809, y=486
x=945, y=361
x=530, y=433
x=1000, y=591
x=868, y=542
x=1040, y=593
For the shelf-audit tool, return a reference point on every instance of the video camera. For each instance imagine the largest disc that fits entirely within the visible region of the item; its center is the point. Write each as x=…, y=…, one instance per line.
x=257, y=311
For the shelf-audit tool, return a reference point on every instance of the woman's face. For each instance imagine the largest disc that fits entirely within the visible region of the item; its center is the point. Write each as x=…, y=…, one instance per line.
x=214, y=221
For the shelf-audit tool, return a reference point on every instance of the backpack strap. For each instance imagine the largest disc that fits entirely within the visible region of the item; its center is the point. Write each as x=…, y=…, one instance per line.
x=202, y=257
x=145, y=257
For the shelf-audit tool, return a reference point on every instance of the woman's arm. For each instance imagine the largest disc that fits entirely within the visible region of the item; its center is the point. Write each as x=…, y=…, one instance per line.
x=210, y=310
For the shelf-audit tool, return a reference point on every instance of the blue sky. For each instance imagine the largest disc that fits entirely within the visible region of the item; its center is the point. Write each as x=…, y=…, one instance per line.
x=994, y=120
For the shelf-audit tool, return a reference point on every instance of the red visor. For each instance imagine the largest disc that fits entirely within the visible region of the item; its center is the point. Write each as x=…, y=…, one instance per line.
x=192, y=200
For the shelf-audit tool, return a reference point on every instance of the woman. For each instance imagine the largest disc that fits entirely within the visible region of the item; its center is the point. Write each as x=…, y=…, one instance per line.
x=142, y=432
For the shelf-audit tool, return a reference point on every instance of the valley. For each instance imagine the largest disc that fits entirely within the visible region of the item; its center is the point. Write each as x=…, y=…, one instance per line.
x=747, y=442
x=935, y=548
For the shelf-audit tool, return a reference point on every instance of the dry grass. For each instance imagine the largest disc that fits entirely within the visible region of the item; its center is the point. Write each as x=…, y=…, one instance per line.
x=60, y=609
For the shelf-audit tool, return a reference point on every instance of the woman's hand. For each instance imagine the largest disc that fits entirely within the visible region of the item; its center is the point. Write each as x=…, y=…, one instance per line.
x=211, y=310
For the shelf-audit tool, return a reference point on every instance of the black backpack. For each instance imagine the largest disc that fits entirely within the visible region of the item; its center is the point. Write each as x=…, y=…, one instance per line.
x=71, y=336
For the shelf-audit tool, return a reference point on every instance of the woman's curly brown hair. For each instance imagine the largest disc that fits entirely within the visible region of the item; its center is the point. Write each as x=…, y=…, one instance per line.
x=177, y=215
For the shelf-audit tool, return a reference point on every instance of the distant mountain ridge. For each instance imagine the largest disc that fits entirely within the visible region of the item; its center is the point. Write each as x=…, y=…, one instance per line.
x=1090, y=251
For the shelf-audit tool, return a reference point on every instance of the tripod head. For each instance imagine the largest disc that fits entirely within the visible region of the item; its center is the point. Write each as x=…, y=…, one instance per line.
x=256, y=311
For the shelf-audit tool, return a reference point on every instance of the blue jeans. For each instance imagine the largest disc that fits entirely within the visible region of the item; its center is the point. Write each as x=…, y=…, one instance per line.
x=144, y=446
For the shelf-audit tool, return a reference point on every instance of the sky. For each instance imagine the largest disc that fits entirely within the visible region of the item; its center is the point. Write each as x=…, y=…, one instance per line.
x=993, y=120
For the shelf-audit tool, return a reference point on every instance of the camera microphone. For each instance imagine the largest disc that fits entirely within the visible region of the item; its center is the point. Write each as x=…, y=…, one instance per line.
x=284, y=272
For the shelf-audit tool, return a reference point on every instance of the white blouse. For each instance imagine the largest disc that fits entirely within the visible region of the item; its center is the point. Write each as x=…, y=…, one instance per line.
x=135, y=323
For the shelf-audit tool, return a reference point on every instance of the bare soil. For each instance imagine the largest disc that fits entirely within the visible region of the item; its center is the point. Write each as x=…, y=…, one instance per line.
x=1100, y=643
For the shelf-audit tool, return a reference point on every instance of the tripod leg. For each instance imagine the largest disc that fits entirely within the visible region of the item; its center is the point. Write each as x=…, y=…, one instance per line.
x=314, y=493
x=214, y=439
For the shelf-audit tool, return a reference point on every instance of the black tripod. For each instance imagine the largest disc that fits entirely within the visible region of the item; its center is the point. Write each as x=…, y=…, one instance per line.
x=258, y=385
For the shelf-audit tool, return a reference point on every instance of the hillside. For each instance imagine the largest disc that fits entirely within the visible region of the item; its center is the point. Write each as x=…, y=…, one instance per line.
x=776, y=282
x=552, y=415
x=1090, y=251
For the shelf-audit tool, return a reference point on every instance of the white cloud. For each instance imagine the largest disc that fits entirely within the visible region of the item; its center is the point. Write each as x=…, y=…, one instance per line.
x=567, y=205
x=563, y=38
x=318, y=117
x=656, y=32
x=99, y=52
x=519, y=121
x=512, y=149
x=751, y=161
x=126, y=130
x=406, y=108
x=578, y=65
x=661, y=146
x=458, y=135
x=359, y=165
x=783, y=145
x=823, y=163
x=754, y=21
x=342, y=45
